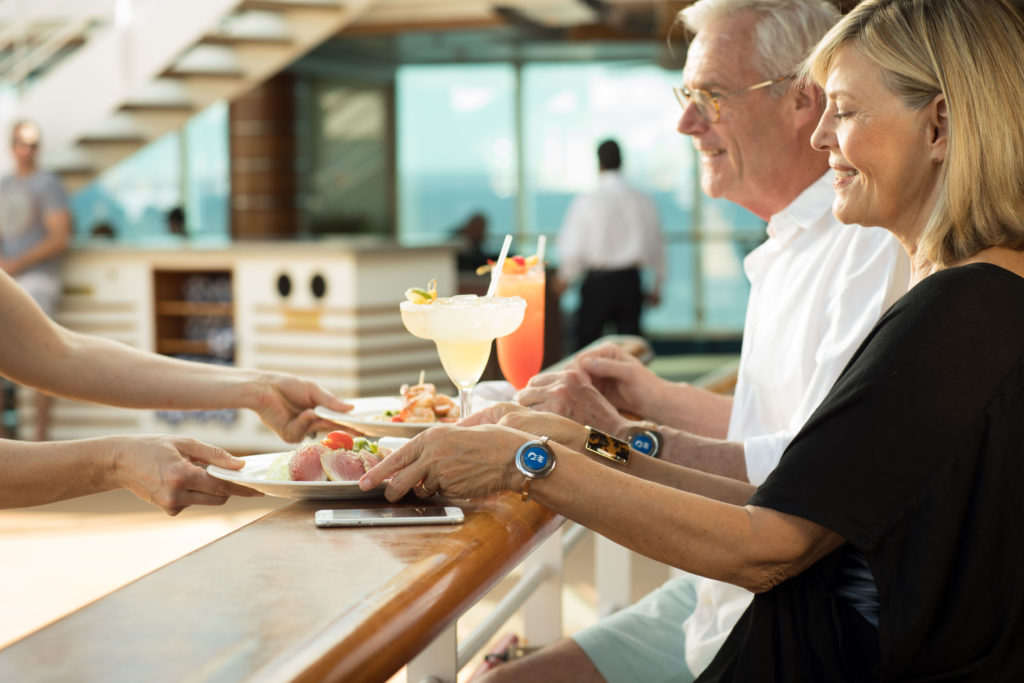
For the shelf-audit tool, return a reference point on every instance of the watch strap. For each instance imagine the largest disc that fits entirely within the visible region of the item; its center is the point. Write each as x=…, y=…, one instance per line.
x=607, y=446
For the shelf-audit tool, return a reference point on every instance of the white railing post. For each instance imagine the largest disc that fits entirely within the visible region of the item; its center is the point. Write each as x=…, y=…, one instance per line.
x=436, y=663
x=613, y=575
x=542, y=611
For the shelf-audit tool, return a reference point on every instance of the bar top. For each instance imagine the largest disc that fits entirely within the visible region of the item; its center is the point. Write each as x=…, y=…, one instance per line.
x=362, y=244
x=280, y=599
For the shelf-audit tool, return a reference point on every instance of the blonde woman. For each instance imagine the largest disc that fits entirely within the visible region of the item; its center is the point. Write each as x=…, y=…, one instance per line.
x=897, y=557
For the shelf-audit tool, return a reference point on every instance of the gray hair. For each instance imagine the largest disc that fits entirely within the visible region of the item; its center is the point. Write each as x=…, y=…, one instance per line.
x=786, y=29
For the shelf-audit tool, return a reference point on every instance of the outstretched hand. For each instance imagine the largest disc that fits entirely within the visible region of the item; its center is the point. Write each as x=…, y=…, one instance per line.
x=286, y=404
x=166, y=471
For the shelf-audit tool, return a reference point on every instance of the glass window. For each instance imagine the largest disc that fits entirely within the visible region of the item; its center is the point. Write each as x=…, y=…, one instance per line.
x=208, y=173
x=188, y=169
x=349, y=180
x=134, y=196
x=456, y=149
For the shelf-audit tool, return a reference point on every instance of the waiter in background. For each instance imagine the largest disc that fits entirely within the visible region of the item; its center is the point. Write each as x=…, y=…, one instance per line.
x=35, y=232
x=608, y=237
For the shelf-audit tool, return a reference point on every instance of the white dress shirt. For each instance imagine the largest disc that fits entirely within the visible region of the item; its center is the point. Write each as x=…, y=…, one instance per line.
x=817, y=288
x=613, y=228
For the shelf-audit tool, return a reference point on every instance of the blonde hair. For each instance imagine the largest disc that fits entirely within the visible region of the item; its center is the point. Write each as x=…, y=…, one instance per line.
x=970, y=52
x=786, y=29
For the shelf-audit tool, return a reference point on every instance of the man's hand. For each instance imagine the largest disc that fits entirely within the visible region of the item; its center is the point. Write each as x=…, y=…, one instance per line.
x=570, y=394
x=492, y=414
x=557, y=428
x=620, y=377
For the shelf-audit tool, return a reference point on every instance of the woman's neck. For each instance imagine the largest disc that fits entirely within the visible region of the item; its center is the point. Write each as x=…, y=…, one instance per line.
x=1007, y=259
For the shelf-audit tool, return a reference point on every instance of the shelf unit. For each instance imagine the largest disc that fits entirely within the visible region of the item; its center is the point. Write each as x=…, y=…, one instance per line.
x=188, y=306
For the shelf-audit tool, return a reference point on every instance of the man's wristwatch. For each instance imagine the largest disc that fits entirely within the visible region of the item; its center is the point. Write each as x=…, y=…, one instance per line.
x=645, y=438
x=534, y=460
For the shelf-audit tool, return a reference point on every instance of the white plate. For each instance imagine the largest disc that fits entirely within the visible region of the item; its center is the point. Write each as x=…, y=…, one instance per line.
x=254, y=475
x=366, y=416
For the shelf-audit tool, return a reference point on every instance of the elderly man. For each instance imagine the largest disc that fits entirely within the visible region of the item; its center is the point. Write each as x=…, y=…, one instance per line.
x=817, y=288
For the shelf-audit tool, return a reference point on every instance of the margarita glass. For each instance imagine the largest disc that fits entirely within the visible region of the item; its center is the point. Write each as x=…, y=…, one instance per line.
x=463, y=328
x=521, y=353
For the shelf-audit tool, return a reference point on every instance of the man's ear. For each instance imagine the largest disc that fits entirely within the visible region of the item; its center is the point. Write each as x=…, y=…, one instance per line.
x=938, y=128
x=807, y=102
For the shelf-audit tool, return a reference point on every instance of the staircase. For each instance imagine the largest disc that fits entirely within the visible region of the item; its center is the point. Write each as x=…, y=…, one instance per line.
x=147, y=66
x=104, y=78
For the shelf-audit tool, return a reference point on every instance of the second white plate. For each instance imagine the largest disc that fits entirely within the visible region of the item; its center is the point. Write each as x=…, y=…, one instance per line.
x=367, y=416
x=254, y=475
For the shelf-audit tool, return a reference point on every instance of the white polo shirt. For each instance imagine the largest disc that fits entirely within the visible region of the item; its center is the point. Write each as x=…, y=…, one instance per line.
x=817, y=288
x=614, y=227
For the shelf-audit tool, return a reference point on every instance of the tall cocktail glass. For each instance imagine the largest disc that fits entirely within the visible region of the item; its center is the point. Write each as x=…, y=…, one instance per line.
x=463, y=328
x=521, y=353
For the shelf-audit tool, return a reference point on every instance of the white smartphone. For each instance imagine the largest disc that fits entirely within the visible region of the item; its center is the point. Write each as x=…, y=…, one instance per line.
x=390, y=516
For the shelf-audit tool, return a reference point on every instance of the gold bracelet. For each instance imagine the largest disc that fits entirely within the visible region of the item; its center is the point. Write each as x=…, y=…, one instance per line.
x=607, y=446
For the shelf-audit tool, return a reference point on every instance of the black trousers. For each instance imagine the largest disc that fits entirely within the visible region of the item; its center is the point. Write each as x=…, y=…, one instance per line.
x=609, y=296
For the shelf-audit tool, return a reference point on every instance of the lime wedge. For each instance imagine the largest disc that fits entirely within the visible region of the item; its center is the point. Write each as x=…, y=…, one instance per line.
x=418, y=296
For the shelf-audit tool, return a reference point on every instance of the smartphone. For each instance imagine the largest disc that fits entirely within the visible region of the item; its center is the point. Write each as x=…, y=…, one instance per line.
x=390, y=516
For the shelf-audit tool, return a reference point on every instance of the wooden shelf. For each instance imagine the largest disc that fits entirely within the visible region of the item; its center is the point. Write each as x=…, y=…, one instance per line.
x=176, y=346
x=219, y=308
x=182, y=320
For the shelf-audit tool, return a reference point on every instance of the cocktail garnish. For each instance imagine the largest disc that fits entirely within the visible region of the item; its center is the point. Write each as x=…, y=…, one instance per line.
x=515, y=265
x=422, y=296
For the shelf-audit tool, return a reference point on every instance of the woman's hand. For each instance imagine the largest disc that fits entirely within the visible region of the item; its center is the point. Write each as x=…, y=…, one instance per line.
x=457, y=462
x=166, y=471
x=570, y=394
x=285, y=404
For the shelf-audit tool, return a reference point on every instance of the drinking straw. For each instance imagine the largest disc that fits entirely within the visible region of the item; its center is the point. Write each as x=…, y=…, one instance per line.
x=496, y=271
x=542, y=243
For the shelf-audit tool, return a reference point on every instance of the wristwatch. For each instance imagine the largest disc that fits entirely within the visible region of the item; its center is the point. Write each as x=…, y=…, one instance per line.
x=534, y=460
x=645, y=438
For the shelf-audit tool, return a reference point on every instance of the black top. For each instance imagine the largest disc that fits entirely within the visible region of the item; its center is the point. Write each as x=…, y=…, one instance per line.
x=916, y=458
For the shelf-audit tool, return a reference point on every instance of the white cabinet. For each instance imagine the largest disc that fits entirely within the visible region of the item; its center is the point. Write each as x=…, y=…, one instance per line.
x=326, y=311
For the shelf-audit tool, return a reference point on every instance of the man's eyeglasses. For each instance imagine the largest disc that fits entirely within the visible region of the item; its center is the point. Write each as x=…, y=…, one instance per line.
x=707, y=104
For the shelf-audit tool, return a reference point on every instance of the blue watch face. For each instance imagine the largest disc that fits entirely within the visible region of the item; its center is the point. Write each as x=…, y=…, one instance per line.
x=642, y=443
x=535, y=457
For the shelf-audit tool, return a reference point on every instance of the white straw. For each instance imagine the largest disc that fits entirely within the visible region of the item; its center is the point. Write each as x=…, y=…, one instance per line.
x=542, y=243
x=496, y=271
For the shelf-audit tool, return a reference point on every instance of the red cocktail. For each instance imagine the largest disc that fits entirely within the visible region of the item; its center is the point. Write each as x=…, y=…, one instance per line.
x=521, y=353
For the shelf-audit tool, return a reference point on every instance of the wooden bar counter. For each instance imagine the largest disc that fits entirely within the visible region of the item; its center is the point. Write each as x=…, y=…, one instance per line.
x=281, y=600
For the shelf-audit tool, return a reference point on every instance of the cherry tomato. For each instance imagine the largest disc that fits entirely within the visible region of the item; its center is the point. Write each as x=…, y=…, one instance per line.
x=336, y=440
